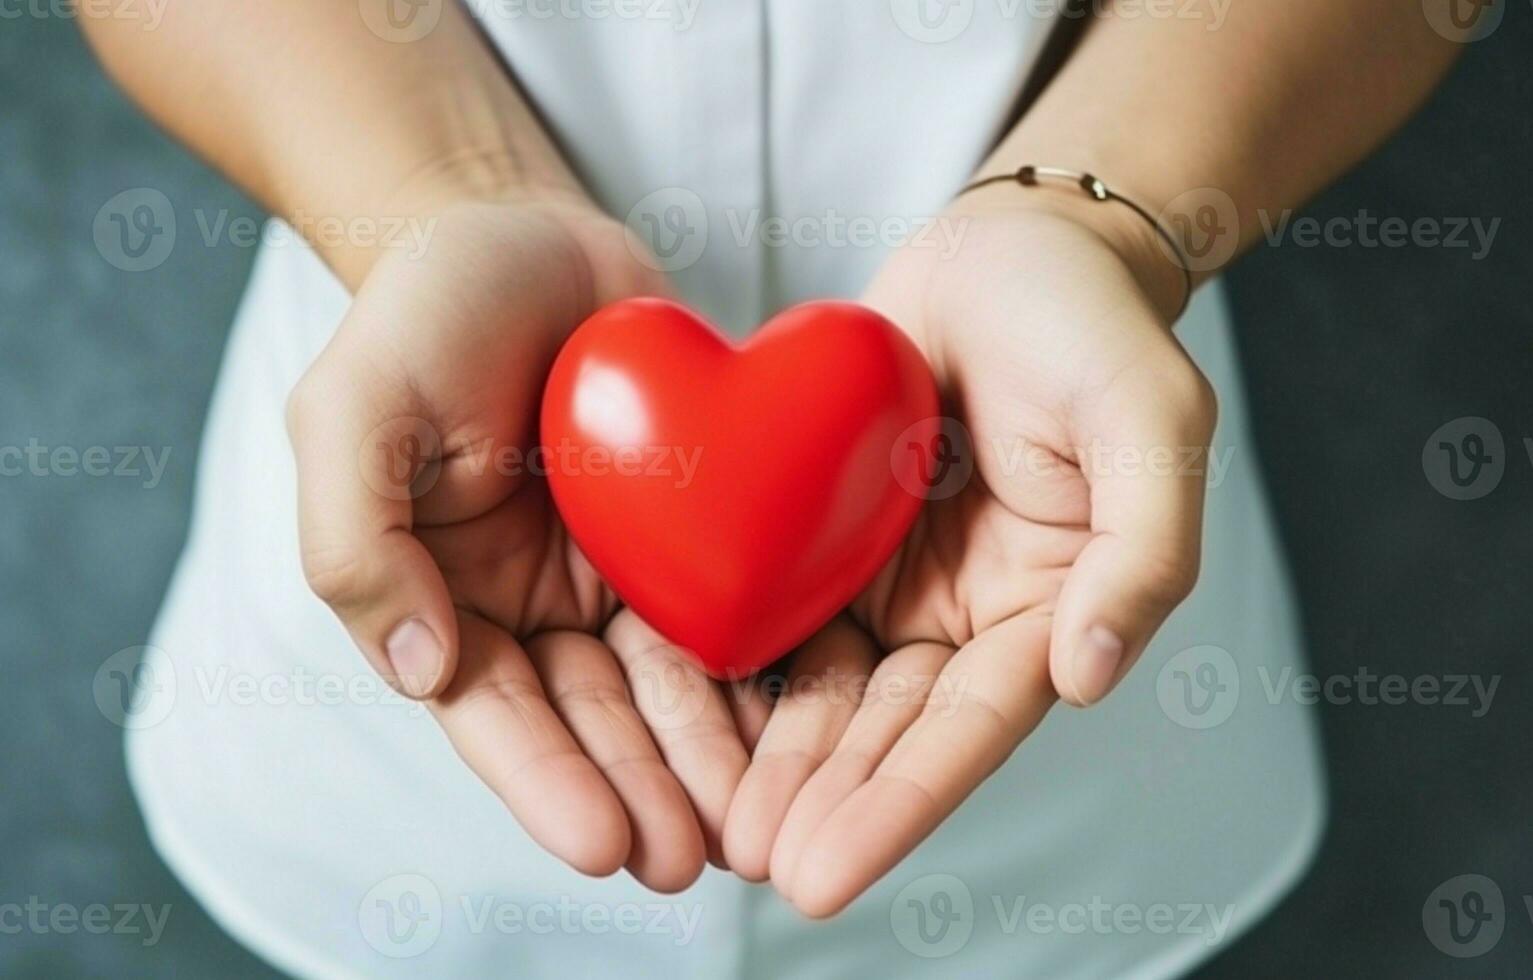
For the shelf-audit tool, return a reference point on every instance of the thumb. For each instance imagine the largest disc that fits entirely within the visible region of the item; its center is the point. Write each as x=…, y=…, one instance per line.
x=362, y=461
x=1144, y=449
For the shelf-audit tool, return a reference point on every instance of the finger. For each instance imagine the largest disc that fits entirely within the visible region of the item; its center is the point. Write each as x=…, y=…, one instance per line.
x=822, y=691
x=991, y=694
x=589, y=692
x=1146, y=522
x=360, y=460
x=750, y=702
x=895, y=696
x=691, y=722
x=497, y=716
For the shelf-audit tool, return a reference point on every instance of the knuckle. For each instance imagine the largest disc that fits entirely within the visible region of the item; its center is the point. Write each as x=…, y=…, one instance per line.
x=1175, y=577
x=338, y=577
x=301, y=404
x=597, y=696
x=1193, y=401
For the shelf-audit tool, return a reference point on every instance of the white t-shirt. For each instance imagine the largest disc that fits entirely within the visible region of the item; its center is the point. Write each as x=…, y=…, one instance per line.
x=329, y=825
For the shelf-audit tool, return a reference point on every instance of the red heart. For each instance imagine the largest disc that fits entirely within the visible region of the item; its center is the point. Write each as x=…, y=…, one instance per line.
x=738, y=497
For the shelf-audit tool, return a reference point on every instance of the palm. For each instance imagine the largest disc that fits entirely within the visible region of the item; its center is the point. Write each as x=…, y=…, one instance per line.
x=1043, y=348
x=464, y=336
x=979, y=558
x=557, y=699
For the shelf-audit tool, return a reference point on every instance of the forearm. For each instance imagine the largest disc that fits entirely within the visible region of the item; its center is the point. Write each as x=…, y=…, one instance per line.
x=317, y=116
x=1270, y=107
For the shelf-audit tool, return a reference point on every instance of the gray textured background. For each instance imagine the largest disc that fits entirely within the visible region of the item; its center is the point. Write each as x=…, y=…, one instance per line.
x=1355, y=356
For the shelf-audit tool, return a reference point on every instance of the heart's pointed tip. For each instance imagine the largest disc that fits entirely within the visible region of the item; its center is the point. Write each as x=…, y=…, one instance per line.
x=725, y=669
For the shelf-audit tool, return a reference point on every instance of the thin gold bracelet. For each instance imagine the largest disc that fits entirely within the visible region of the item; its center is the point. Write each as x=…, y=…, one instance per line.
x=1097, y=190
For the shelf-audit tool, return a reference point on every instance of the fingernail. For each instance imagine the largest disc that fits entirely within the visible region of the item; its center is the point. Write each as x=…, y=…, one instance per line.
x=1096, y=664
x=415, y=655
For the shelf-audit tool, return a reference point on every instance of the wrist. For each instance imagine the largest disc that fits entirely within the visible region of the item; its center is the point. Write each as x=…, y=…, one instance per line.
x=482, y=177
x=1152, y=263
x=600, y=244
x=431, y=195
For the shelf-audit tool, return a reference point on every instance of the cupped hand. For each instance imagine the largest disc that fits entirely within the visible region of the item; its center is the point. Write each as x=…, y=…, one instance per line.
x=1063, y=527
x=427, y=526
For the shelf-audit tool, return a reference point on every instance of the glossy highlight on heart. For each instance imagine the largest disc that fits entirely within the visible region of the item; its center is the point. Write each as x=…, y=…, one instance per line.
x=738, y=496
